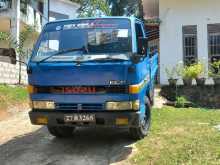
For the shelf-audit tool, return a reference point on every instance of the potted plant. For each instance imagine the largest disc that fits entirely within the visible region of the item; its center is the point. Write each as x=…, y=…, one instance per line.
x=187, y=76
x=171, y=73
x=215, y=72
x=188, y=73
x=199, y=70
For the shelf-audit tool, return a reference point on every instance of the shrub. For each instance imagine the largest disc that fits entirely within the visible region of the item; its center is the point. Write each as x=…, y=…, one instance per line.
x=215, y=69
x=171, y=72
x=193, y=71
x=181, y=101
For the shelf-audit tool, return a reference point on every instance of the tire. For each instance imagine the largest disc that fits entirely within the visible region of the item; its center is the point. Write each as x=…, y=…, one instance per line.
x=140, y=132
x=61, y=132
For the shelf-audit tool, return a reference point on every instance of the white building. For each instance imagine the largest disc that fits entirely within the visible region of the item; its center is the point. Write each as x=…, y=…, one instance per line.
x=63, y=9
x=15, y=14
x=189, y=31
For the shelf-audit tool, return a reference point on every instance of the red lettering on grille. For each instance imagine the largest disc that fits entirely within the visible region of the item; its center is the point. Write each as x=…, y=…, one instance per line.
x=78, y=90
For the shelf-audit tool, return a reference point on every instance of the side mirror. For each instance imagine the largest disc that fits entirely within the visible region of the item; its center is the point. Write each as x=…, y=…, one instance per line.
x=136, y=58
x=142, y=46
x=142, y=50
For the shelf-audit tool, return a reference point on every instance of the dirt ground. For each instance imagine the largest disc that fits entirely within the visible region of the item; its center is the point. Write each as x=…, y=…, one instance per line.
x=3, y=114
x=24, y=144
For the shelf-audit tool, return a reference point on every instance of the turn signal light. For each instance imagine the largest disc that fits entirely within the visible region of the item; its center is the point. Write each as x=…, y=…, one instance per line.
x=133, y=89
x=42, y=120
x=121, y=121
x=31, y=89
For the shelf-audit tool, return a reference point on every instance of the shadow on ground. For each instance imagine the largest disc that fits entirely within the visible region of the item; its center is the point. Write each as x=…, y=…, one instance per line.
x=88, y=146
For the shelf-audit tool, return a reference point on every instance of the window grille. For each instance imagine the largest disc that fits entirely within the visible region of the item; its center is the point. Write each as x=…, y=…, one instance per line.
x=5, y=4
x=189, y=44
x=214, y=42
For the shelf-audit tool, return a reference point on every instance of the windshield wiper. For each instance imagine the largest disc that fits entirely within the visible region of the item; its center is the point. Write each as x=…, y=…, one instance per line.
x=63, y=51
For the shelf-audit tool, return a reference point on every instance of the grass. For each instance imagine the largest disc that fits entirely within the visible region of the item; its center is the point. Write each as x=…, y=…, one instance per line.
x=177, y=136
x=181, y=136
x=12, y=95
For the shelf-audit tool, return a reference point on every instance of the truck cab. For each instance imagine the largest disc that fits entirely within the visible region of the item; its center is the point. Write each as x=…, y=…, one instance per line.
x=92, y=72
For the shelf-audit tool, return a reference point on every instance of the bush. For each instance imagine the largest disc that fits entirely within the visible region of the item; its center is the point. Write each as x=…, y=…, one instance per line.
x=193, y=71
x=215, y=69
x=170, y=72
x=181, y=101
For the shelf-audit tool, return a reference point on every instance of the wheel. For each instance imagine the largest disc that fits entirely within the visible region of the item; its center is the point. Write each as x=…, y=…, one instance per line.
x=61, y=132
x=142, y=131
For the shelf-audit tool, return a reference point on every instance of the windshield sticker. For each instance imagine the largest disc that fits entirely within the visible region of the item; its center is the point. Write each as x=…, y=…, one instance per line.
x=88, y=25
x=122, y=33
x=58, y=28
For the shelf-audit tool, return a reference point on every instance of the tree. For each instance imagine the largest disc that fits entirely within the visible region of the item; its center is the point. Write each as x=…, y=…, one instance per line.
x=93, y=8
x=18, y=46
x=110, y=7
x=126, y=7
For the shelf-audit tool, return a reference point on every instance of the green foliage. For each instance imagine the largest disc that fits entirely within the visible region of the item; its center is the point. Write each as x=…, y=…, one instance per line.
x=4, y=36
x=126, y=7
x=183, y=136
x=18, y=45
x=216, y=65
x=171, y=72
x=11, y=95
x=215, y=69
x=192, y=71
x=181, y=101
x=95, y=8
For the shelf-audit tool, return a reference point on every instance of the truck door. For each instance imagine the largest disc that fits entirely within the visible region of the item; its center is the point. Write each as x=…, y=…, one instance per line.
x=145, y=64
x=150, y=62
x=153, y=64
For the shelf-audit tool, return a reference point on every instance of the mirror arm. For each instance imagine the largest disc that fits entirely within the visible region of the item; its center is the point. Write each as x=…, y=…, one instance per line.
x=136, y=58
x=22, y=62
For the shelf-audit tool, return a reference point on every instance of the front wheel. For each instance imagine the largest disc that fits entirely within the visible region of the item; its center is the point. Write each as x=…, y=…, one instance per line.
x=61, y=132
x=142, y=131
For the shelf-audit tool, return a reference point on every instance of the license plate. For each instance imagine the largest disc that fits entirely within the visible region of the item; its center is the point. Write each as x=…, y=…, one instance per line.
x=79, y=118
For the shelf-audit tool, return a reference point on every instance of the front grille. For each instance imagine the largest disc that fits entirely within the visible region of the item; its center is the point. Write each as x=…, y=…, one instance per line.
x=82, y=107
x=83, y=89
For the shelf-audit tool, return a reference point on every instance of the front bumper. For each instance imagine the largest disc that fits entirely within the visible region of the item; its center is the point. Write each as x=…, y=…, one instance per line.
x=103, y=119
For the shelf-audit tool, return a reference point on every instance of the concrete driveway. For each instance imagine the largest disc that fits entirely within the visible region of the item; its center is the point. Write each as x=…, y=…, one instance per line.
x=24, y=144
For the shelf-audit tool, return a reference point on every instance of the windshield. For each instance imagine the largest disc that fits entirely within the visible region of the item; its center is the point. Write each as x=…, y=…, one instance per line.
x=82, y=38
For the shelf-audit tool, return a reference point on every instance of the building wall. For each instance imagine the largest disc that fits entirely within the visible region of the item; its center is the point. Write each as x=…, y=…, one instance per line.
x=63, y=7
x=175, y=14
x=151, y=9
x=9, y=74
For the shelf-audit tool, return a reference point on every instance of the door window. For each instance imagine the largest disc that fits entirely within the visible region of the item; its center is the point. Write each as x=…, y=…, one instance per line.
x=139, y=33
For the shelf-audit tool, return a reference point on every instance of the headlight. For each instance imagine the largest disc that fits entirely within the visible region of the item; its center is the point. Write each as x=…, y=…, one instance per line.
x=127, y=105
x=43, y=105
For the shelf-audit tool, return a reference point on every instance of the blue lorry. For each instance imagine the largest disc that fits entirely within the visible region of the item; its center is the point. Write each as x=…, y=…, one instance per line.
x=92, y=72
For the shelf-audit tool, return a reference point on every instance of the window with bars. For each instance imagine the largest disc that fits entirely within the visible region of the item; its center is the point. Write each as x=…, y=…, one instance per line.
x=5, y=4
x=189, y=44
x=214, y=42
